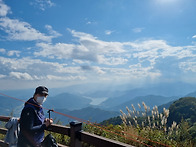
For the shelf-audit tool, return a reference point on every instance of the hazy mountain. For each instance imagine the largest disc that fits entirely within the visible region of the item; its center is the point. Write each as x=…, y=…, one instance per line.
x=166, y=106
x=193, y=94
x=181, y=108
x=67, y=101
x=119, y=99
x=23, y=94
x=128, y=95
x=8, y=106
x=165, y=90
x=105, y=93
x=150, y=100
x=117, y=120
x=88, y=113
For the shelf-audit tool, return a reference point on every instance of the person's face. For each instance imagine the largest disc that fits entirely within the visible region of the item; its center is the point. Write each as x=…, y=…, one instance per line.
x=40, y=95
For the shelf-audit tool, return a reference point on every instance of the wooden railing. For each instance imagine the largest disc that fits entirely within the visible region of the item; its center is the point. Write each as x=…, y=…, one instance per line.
x=76, y=134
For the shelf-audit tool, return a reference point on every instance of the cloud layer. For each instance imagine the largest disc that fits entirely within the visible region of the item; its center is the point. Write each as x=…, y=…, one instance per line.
x=90, y=57
x=4, y=9
x=87, y=58
x=20, y=30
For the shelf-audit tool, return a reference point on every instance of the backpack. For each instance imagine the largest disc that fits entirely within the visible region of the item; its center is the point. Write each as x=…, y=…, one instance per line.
x=49, y=141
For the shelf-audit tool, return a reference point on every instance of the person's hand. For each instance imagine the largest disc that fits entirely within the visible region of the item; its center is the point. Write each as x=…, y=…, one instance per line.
x=48, y=122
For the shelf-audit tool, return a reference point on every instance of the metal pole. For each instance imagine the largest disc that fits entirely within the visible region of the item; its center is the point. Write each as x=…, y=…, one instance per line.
x=49, y=112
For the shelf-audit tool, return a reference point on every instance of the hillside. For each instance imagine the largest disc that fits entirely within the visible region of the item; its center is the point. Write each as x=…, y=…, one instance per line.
x=165, y=90
x=67, y=101
x=117, y=120
x=166, y=106
x=9, y=106
x=184, y=108
x=192, y=94
x=75, y=104
x=150, y=100
x=89, y=113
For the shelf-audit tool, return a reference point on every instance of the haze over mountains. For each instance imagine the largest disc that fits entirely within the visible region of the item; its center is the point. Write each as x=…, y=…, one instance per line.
x=106, y=102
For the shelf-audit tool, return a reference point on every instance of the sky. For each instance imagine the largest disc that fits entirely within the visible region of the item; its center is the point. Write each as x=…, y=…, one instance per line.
x=59, y=43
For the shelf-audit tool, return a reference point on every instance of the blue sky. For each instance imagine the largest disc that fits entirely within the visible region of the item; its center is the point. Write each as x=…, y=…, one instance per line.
x=59, y=43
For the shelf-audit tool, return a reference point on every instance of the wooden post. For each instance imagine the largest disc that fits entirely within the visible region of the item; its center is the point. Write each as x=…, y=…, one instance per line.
x=75, y=139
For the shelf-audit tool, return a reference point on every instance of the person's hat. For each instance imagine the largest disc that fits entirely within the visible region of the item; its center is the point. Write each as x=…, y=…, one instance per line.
x=41, y=90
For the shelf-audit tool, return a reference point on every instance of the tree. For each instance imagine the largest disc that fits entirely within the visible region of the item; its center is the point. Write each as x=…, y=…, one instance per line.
x=183, y=108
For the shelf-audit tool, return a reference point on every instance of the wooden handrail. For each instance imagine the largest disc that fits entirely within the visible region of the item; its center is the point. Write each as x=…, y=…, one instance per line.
x=3, y=131
x=76, y=135
x=100, y=141
x=53, y=128
x=59, y=129
x=4, y=118
x=3, y=144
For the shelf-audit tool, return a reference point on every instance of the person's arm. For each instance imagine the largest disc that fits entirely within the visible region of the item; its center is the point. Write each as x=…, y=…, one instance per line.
x=28, y=117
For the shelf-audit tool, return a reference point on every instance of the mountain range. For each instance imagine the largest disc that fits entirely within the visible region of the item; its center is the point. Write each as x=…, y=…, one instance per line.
x=149, y=100
x=67, y=101
x=87, y=114
x=79, y=105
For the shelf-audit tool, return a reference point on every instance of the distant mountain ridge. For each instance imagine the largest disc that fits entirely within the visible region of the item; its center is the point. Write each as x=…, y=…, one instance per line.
x=75, y=103
x=9, y=105
x=192, y=94
x=165, y=90
x=149, y=100
x=184, y=107
x=89, y=114
x=67, y=101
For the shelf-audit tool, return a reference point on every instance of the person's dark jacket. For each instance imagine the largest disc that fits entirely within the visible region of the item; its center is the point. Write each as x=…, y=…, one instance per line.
x=31, y=125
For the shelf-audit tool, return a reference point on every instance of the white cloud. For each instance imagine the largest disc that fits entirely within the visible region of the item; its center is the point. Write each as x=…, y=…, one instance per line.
x=36, y=66
x=89, y=48
x=65, y=78
x=108, y=32
x=2, y=76
x=148, y=45
x=18, y=30
x=137, y=30
x=4, y=9
x=13, y=52
x=112, y=60
x=87, y=57
x=126, y=75
x=43, y=4
x=59, y=50
x=151, y=50
x=39, y=70
x=89, y=22
x=76, y=61
x=10, y=53
x=138, y=70
x=19, y=75
x=2, y=50
x=99, y=70
x=81, y=35
x=52, y=32
x=188, y=66
x=194, y=36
